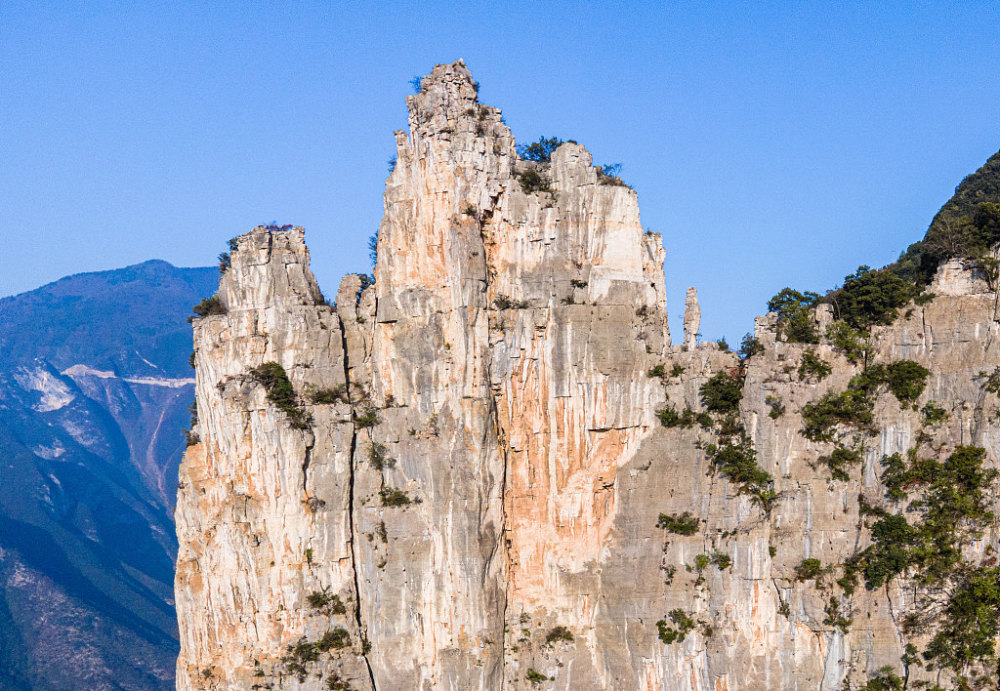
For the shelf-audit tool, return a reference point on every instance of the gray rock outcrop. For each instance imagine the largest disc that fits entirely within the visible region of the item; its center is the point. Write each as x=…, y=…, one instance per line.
x=480, y=453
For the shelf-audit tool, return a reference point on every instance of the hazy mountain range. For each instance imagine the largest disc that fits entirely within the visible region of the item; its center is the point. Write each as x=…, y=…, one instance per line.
x=94, y=393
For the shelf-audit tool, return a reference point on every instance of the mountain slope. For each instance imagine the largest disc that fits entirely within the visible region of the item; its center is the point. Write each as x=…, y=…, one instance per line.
x=94, y=389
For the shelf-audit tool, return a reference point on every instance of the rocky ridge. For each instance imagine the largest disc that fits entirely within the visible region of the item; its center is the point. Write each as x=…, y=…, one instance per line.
x=492, y=469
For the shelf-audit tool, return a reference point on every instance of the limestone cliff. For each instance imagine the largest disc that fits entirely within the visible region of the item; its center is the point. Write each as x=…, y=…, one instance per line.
x=491, y=469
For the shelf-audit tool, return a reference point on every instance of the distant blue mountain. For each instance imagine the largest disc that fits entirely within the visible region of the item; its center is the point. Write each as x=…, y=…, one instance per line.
x=94, y=390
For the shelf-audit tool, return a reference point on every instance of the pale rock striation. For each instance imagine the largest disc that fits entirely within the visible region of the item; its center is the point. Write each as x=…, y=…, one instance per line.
x=692, y=318
x=477, y=470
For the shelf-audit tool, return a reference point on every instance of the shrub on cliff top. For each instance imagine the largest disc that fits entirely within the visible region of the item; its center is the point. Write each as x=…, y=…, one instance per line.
x=871, y=297
x=795, y=315
x=209, y=306
x=540, y=151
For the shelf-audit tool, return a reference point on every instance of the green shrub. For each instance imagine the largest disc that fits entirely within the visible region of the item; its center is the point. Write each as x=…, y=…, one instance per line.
x=850, y=407
x=225, y=261
x=577, y=283
x=669, y=417
x=536, y=677
x=378, y=456
x=809, y=570
x=795, y=315
x=610, y=174
x=272, y=377
x=324, y=600
x=884, y=680
x=971, y=624
x=906, y=380
x=889, y=553
x=933, y=414
x=367, y=417
x=953, y=508
x=813, y=366
x=722, y=393
x=338, y=394
x=298, y=656
x=738, y=463
x=393, y=497
x=532, y=181
x=723, y=345
x=209, y=306
x=669, y=634
x=991, y=380
x=540, y=151
x=721, y=560
x=335, y=682
x=685, y=524
x=657, y=371
x=777, y=406
x=834, y=617
x=502, y=302
x=676, y=371
x=701, y=562
x=870, y=297
x=334, y=639
x=839, y=460
x=558, y=634
x=853, y=343
x=750, y=346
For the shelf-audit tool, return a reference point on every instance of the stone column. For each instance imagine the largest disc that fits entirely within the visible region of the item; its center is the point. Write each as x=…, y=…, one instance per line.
x=692, y=318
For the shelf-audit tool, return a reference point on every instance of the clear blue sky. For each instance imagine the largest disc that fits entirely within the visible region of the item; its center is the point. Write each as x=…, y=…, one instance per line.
x=772, y=144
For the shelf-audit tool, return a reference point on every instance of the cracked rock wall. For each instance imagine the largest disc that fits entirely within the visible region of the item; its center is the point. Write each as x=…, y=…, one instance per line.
x=482, y=491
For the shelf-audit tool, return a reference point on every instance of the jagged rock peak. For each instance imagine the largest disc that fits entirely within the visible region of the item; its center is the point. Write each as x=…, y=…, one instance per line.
x=449, y=90
x=253, y=280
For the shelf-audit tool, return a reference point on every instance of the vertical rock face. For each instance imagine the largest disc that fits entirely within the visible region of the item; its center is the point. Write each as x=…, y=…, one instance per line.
x=481, y=455
x=692, y=318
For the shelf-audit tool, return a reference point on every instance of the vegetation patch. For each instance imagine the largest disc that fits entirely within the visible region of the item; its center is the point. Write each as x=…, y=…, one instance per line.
x=851, y=342
x=378, y=456
x=540, y=151
x=329, y=603
x=869, y=297
x=933, y=414
x=722, y=393
x=906, y=380
x=208, y=306
x=737, y=461
x=679, y=626
x=337, y=394
x=777, y=406
x=840, y=459
x=795, y=315
x=536, y=677
x=813, y=367
x=334, y=639
x=685, y=524
x=750, y=346
x=392, y=496
x=533, y=181
x=502, y=302
x=809, y=570
x=559, y=634
x=272, y=377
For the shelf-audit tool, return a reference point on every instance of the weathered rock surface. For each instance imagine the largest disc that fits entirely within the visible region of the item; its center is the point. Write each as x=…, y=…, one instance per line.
x=692, y=318
x=483, y=491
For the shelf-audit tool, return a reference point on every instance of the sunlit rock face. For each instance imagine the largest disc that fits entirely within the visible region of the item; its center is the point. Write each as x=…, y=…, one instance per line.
x=473, y=463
